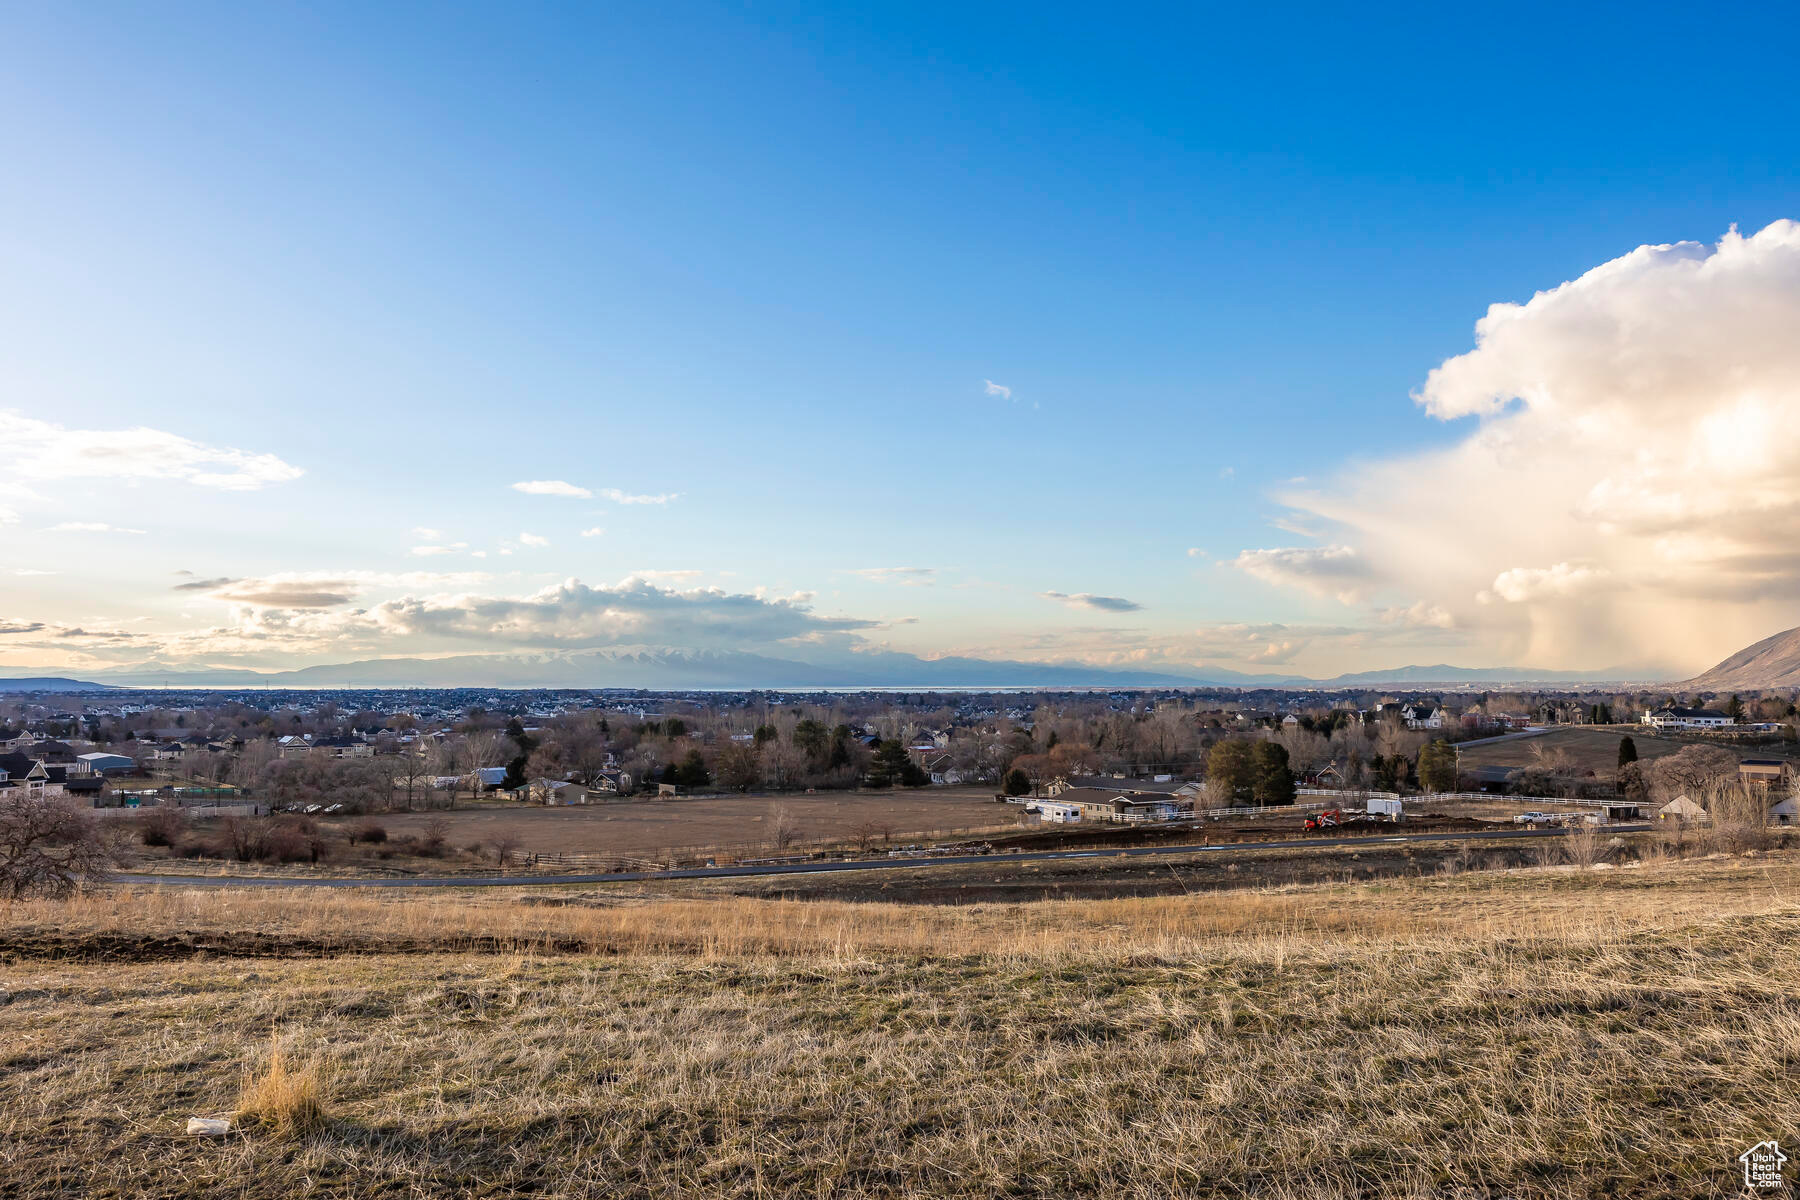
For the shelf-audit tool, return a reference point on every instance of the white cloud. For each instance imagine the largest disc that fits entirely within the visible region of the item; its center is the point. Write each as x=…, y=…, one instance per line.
x=596, y=531
x=92, y=527
x=43, y=451
x=31, y=571
x=1632, y=428
x=1420, y=615
x=430, y=535
x=431, y=549
x=1324, y=570
x=619, y=497
x=552, y=487
x=1522, y=585
x=532, y=539
x=996, y=389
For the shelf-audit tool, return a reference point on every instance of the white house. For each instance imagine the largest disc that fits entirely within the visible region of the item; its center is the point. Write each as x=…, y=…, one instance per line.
x=1423, y=716
x=1686, y=718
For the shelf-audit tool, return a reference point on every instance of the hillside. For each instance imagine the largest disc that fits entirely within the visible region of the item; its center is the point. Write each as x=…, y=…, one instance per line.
x=1773, y=662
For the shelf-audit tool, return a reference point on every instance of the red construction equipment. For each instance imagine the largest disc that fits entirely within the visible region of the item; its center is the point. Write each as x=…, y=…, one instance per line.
x=1325, y=820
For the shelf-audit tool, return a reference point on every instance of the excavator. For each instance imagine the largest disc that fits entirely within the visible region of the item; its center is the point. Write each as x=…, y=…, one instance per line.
x=1327, y=819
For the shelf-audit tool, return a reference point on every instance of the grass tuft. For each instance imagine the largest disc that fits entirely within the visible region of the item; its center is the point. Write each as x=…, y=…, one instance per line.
x=282, y=1099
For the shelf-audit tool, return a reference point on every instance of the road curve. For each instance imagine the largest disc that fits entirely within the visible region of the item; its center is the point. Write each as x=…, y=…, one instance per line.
x=813, y=868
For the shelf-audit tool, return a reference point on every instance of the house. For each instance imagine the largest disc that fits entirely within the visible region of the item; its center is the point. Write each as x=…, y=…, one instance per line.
x=49, y=752
x=944, y=772
x=611, y=780
x=343, y=747
x=89, y=788
x=1162, y=785
x=101, y=763
x=487, y=779
x=1685, y=718
x=1112, y=804
x=167, y=752
x=554, y=791
x=22, y=773
x=1786, y=812
x=1681, y=809
x=1328, y=776
x=1423, y=716
x=293, y=745
x=1764, y=772
x=1492, y=777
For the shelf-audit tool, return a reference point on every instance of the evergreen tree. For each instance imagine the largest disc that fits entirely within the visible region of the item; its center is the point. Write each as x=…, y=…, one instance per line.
x=1230, y=770
x=1272, y=780
x=892, y=765
x=813, y=739
x=1437, y=767
x=1017, y=783
x=692, y=772
x=1627, y=750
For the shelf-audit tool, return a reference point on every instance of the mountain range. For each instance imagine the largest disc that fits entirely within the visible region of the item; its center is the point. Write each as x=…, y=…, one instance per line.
x=667, y=668
x=1771, y=663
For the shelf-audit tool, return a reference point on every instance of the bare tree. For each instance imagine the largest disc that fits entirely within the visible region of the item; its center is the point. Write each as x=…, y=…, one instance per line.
x=782, y=827
x=1691, y=771
x=48, y=847
x=504, y=846
x=415, y=769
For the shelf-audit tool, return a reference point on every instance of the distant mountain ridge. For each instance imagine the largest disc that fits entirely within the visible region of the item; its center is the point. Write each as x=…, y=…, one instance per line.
x=666, y=668
x=669, y=668
x=49, y=683
x=1771, y=663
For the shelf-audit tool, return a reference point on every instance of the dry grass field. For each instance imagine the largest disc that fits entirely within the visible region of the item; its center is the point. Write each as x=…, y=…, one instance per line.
x=1532, y=1033
x=641, y=826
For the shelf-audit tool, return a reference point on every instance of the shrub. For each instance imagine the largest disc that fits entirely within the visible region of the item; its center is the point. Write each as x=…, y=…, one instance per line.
x=373, y=832
x=162, y=826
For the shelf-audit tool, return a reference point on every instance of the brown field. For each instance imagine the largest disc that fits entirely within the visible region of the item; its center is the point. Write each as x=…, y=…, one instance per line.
x=1533, y=1033
x=633, y=827
x=1597, y=749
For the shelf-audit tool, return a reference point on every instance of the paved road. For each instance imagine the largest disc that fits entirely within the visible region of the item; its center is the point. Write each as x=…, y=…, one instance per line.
x=813, y=868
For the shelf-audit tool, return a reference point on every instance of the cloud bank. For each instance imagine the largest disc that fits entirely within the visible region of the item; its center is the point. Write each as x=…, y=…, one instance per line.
x=1630, y=488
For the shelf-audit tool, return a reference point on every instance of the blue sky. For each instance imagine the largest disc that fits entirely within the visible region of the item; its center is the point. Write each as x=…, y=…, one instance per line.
x=765, y=260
